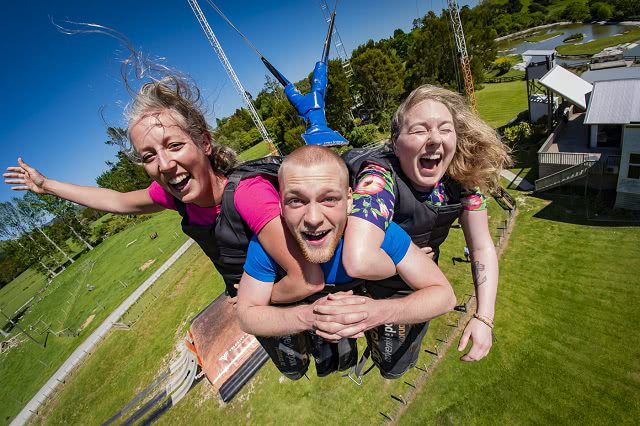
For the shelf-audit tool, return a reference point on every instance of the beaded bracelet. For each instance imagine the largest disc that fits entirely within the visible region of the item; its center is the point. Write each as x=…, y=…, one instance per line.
x=485, y=320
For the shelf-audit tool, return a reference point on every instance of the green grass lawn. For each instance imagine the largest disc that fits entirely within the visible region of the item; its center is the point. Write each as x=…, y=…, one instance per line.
x=68, y=303
x=19, y=291
x=511, y=73
x=104, y=383
x=595, y=46
x=257, y=151
x=541, y=37
x=499, y=103
x=566, y=323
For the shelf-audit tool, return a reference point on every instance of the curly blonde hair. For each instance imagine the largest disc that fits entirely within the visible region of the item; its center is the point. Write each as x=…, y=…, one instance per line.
x=480, y=155
x=175, y=94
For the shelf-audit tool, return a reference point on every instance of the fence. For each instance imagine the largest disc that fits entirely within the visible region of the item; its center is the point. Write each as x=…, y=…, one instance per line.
x=505, y=79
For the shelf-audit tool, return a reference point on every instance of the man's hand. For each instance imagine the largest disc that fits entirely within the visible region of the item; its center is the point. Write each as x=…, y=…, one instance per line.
x=428, y=251
x=233, y=301
x=343, y=315
x=26, y=177
x=482, y=338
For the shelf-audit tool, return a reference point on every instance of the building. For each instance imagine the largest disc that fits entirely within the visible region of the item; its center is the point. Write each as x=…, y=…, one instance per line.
x=598, y=142
x=542, y=103
x=613, y=119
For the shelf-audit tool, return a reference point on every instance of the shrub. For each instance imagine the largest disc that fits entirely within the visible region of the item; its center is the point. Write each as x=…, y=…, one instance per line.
x=293, y=139
x=574, y=37
x=363, y=135
x=517, y=133
x=503, y=65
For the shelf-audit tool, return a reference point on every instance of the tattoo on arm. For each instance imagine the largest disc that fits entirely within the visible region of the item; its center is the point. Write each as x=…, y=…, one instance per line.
x=477, y=270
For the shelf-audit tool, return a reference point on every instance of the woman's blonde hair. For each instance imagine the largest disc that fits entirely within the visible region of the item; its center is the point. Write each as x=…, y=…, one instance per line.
x=181, y=98
x=480, y=155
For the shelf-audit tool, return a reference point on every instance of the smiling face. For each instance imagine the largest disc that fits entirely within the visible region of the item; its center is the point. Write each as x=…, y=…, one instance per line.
x=315, y=203
x=426, y=143
x=173, y=159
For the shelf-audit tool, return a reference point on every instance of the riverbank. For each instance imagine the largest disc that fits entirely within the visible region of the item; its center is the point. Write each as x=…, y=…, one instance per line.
x=594, y=46
x=528, y=30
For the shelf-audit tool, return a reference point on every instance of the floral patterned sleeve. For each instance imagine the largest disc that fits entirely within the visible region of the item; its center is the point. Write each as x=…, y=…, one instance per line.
x=473, y=200
x=373, y=197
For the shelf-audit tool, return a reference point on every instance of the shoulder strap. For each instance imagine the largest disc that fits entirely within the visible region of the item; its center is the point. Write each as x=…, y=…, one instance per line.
x=180, y=207
x=266, y=165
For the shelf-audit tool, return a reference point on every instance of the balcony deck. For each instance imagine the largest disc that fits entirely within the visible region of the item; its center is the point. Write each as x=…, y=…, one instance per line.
x=569, y=144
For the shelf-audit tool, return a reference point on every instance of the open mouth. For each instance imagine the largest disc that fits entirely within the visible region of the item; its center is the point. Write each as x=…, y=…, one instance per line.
x=430, y=162
x=315, y=238
x=179, y=182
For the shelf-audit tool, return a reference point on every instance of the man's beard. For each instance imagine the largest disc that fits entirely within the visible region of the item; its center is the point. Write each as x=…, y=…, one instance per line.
x=318, y=254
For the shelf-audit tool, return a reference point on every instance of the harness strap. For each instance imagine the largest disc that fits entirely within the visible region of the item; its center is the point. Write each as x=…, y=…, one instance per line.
x=355, y=373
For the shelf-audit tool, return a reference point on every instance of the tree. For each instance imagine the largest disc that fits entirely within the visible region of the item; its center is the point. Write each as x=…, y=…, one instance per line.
x=293, y=139
x=400, y=43
x=601, y=11
x=380, y=77
x=124, y=175
x=432, y=55
x=575, y=11
x=10, y=264
x=62, y=209
x=11, y=228
x=338, y=100
x=514, y=6
x=33, y=220
x=627, y=9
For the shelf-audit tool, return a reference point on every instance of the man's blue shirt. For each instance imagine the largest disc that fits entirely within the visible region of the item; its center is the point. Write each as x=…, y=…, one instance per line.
x=262, y=267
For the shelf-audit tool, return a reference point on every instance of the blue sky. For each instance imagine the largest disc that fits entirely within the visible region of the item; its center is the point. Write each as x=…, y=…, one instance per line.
x=54, y=85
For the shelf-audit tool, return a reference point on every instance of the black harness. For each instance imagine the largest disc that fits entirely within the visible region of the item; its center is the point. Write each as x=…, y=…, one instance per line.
x=427, y=225
x=225, y=242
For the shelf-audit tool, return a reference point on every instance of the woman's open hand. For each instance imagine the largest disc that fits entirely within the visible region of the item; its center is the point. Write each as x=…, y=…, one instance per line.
x=25, y=177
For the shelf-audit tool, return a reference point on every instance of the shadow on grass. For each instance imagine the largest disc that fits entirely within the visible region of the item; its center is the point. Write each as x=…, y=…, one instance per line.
x=528, y=174
x=594, y=209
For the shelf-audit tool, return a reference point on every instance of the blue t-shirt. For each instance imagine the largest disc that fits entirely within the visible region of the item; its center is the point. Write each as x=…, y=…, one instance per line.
x=262, y=267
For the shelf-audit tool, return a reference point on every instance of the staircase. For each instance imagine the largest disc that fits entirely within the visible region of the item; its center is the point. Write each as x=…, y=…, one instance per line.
x=504, y=199
x=564, y=176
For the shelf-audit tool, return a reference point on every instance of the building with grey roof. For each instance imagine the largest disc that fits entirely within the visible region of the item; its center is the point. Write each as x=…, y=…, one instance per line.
x=621, y=73
x=599, y=147
x=613, y=117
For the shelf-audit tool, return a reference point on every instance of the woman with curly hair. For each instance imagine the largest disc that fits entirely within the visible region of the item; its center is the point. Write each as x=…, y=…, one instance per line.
x=441, y=160
x=199, y=178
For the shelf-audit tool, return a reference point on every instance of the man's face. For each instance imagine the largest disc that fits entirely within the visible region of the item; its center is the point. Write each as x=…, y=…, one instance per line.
x=315, y=203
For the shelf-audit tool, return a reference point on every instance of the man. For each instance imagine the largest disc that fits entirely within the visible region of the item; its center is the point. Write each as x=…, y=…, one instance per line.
x=315, y=201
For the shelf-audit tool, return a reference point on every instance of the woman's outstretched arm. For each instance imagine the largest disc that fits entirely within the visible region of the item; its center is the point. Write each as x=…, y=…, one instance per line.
x=27, y=178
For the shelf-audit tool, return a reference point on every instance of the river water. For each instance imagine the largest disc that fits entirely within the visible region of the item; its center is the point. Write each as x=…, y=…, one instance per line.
x=590, y=31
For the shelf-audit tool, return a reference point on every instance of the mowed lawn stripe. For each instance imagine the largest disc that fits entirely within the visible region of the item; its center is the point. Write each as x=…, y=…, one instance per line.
x=568, y=348
x=499, y=103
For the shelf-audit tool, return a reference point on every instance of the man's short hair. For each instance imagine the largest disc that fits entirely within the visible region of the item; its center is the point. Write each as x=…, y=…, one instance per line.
x=312, y=155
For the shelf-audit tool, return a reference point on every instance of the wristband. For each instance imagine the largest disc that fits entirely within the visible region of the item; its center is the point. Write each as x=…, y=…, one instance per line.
x=485, y=320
